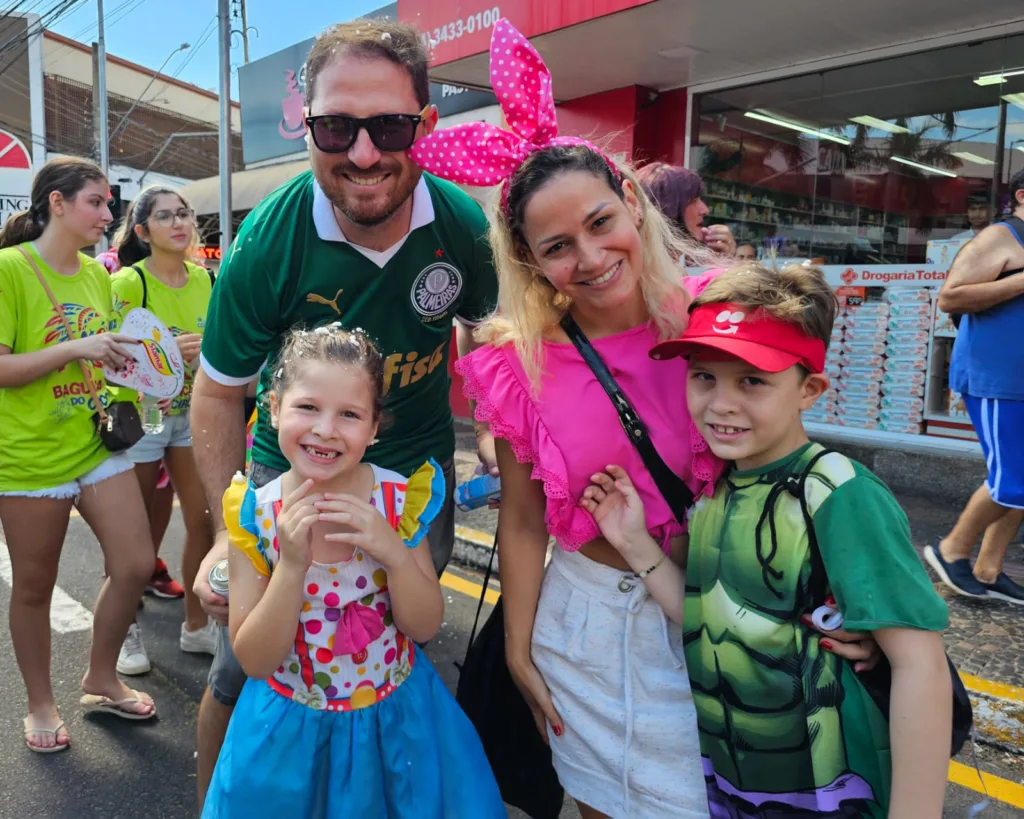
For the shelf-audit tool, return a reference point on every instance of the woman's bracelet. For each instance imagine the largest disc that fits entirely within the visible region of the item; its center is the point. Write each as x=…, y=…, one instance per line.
x=650, y=569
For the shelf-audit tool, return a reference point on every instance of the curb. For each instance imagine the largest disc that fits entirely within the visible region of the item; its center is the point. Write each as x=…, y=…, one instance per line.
x=998, y=713
x=473, y=549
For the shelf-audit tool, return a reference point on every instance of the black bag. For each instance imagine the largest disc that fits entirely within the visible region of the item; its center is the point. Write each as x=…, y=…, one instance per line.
x=877, y=681
x=518, y=755
x=119, y=425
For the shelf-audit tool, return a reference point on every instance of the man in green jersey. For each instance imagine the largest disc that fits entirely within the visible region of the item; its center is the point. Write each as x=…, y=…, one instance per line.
x=366, y=239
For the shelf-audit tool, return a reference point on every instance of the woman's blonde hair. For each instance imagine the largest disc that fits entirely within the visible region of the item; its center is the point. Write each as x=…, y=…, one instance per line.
x=528, y=305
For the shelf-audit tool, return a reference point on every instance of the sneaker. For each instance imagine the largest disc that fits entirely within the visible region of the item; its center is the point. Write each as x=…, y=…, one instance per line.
x=161, y=584
x=133, y=658
x=200, y=641
x=1005, y=589
x=956, y=574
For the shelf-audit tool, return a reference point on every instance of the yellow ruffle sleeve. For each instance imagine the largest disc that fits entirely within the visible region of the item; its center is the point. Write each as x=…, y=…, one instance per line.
x=424, y=499
x=240, y=518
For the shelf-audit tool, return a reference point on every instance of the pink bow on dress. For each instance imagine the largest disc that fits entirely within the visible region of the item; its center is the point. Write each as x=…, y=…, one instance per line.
x=478, y=153
x=358, y=626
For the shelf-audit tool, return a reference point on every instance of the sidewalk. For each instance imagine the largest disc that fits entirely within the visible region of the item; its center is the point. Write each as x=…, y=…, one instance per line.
x=984, y=639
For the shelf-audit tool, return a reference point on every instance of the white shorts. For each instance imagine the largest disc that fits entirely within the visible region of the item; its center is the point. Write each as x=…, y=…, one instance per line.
x=176, y=432
x=614, y=666
x=114, y=465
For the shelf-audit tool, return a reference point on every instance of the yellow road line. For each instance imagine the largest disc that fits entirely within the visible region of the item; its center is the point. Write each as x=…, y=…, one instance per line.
x=474, y=536
x=1003, y=790
x=1010, y=793
x=468, y=587
x=993, y=689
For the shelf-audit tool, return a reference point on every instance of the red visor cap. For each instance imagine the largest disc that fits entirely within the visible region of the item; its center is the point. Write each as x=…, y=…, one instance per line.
x=749, y=333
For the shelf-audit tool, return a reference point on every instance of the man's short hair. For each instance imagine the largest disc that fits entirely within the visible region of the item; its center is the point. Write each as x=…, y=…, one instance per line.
x=380, y=39
x=1016, y=184
x=797, y=293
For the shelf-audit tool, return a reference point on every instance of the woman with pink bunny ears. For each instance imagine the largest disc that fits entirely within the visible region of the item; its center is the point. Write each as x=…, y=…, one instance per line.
x=587, y=642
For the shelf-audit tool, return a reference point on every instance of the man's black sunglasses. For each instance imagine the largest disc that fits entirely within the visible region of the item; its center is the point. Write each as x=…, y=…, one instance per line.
x=336, y=133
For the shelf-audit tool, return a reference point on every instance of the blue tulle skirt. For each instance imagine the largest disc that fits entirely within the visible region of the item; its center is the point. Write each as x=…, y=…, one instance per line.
x=414, y=755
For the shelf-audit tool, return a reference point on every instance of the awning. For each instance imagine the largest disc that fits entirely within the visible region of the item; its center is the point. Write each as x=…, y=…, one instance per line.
x=248, y=188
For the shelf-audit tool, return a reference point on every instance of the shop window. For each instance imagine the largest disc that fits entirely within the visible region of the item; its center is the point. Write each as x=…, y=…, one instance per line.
x=880, y=171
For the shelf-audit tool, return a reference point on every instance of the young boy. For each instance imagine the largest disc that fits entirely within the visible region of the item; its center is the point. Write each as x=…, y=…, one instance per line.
x=786, y=729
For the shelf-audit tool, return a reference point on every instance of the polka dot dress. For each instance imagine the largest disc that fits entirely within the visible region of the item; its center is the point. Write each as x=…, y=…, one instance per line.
x=347, y=653
x=354, y=722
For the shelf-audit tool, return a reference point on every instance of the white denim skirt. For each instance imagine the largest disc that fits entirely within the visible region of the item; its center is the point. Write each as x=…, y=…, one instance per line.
x=614, y=665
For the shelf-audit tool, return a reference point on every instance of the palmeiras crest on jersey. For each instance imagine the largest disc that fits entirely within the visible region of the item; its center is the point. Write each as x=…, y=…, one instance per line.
x=435, y=289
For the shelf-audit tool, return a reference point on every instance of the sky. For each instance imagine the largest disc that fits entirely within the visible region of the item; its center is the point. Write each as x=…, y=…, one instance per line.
x=148, y=31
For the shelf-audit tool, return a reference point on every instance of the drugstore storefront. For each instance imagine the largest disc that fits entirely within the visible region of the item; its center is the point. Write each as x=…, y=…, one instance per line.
x=875, y=144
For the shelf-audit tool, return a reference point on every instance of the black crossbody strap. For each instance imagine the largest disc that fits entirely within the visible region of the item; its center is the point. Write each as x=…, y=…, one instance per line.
x=145, y=289
x=677, y=494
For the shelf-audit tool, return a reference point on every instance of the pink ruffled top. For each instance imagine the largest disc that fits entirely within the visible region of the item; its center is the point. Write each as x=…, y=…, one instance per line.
x=569, y=429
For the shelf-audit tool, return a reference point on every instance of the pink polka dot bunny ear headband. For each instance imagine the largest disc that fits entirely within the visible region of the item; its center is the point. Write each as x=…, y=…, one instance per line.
x=478, y=153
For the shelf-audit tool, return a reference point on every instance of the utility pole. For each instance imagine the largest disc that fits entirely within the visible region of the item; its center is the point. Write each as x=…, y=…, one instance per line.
x=245, y=33
x=100, y=101
x=224, y=138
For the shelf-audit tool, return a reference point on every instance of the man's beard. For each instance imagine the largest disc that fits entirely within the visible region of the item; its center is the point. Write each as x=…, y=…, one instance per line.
x=406, y=181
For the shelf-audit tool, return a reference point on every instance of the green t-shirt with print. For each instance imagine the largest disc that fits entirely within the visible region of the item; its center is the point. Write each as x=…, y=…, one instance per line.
x=280, y=274
x=781, y=721
x=181, y=309
x=47, y=435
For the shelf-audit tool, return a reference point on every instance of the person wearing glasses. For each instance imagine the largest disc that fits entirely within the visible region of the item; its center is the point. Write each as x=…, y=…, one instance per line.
x=153, y=246
x=367, y=239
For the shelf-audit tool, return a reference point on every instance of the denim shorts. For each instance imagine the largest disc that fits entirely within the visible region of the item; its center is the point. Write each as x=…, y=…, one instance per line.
x=176, y=432
x=226, y=675
x=114, y=465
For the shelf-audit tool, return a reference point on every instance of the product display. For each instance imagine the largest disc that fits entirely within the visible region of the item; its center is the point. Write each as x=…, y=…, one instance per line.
x=880, y=347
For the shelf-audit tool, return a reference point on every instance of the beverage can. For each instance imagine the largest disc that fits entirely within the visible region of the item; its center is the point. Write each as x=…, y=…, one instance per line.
x=219, y=578
x=476, y=492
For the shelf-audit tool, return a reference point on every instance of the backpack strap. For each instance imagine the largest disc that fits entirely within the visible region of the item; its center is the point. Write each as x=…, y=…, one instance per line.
x=145, y=289
x=795, y=485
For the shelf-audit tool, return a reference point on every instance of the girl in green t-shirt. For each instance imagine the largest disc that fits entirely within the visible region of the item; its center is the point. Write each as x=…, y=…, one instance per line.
x=153, y=246
x=50, y=452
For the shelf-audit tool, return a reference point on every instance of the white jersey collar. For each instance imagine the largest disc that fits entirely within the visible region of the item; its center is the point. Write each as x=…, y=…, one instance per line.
x=328, y=229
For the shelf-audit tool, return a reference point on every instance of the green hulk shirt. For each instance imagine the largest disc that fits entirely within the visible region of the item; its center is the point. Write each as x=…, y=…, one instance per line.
x=290, y=266
x=786, y=730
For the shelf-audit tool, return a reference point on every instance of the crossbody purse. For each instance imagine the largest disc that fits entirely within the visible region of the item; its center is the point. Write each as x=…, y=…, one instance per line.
x=118, y=425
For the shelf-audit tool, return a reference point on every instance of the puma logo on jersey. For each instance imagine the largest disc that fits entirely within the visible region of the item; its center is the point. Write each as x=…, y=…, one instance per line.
x=314, y=298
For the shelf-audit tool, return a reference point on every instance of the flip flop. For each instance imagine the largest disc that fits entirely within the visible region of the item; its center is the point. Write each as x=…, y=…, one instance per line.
x=38, y=749
x=101, y=704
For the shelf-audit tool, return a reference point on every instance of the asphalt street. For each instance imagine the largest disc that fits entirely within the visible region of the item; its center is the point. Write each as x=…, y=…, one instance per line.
x=121, y=770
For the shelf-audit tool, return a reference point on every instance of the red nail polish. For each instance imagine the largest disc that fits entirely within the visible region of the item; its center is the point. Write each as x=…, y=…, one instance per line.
x=806, y=619
x=557, y=729
x=830, y=600
x=826, y=644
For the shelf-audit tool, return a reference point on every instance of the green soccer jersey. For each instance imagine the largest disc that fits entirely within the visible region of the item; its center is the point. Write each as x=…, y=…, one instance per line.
x=785, y=727
x=290, y=266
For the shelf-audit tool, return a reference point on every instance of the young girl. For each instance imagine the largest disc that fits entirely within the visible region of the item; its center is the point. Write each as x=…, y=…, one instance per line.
x=51, y=456
x=153, y=247
x=332, y=586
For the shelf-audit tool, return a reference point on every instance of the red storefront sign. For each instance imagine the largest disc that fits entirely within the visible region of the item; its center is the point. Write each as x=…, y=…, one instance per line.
x=462, y=28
